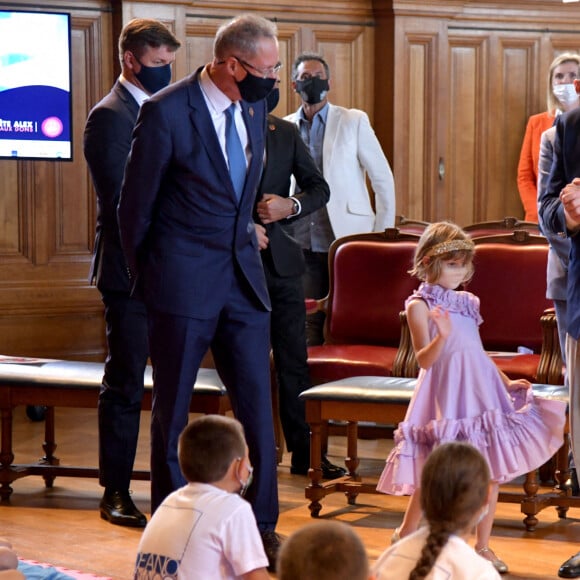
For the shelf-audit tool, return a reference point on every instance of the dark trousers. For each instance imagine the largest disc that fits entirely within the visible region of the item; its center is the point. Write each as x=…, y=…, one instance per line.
x=288, y=338
x=119, y=407
x=316, y=283
x=240, y=341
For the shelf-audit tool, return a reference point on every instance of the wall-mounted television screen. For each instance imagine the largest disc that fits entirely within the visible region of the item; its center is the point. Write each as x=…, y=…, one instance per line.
x=35, y=85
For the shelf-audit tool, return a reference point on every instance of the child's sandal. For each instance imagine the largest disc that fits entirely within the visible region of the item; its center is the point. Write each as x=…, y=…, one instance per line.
x=498, y=564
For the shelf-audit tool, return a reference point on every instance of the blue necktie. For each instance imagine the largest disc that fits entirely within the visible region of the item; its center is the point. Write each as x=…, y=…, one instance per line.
x=235, y=152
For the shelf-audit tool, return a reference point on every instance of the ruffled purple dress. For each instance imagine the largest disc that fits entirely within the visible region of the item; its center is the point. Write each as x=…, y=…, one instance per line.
x=462, y=398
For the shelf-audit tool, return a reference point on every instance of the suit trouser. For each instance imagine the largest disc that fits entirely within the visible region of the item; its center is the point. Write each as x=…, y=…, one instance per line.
x=561, y=309
x=288, y=338
x=573, y=372
x=240, y=343
x=316, y=284
x=119, y=407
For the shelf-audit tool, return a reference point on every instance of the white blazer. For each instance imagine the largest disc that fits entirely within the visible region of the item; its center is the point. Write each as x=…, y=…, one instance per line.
x=350, y=151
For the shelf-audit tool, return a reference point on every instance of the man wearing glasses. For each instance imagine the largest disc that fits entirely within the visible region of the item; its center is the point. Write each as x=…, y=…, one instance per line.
x=346, y=150
x=185, y=217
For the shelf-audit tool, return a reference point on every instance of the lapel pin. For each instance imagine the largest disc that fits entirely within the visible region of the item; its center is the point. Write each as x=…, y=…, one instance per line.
x=251, y=110
x=272, y=127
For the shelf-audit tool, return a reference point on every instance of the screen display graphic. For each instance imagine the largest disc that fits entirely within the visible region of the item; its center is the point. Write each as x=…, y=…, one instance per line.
x=35, y=85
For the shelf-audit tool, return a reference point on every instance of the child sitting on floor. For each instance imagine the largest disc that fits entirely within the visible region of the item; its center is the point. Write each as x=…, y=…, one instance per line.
x=8, y=562
x=205, y=529
x=455, y=490
x=327, y=550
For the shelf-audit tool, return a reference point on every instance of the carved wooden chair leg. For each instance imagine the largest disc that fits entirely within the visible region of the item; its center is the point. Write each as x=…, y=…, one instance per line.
x=563, y=474
x=531, y=487
x=315, y=492
x=49, y=445
x=6, y=454
x=352, y=460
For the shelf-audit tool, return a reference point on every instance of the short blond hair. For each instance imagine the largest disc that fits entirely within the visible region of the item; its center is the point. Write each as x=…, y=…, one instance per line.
x=553, y=102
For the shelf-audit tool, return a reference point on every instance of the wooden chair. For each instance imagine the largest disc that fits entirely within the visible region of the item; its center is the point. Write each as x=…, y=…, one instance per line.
x=369, y=283
x=406, y=225
x=497, y=227
x=510, y=280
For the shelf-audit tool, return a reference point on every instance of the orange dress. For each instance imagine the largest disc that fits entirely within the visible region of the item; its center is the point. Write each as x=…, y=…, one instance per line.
x=528, y=165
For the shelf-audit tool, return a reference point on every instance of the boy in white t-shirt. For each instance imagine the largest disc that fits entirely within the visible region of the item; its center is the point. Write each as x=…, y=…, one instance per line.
x=205, y=529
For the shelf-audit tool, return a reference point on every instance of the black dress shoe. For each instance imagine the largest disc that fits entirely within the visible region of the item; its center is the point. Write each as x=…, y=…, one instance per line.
x=571, y=567
x=329, y=470
x=118, y=508
x=272, y=542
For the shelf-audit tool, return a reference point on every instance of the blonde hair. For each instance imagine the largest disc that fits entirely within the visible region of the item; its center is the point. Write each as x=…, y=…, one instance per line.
x=553, y=102
x=454, y=487
x=441, y=242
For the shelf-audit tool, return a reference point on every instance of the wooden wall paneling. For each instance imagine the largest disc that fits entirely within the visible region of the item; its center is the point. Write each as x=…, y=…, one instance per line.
x=418, y=92
x=514, y=88
x=289, y=39
x=466, y=159
x=14, y=243
x=351, y=61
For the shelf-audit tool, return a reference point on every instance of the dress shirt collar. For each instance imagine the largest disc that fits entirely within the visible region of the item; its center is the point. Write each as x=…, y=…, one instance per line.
x=216, y=100
x=139, y=95
x=322, y=115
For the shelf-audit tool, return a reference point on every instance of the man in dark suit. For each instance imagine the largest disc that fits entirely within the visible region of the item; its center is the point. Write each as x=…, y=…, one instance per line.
x=146, y=50
x=559, y=209
x=185, y=217
x=283, y=260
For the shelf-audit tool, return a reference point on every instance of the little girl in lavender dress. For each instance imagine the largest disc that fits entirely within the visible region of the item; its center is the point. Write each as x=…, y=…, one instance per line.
x=461, y=395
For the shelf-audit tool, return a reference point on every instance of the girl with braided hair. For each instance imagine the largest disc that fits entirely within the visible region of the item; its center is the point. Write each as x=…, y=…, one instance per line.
x=455, y=490
x=461, y=395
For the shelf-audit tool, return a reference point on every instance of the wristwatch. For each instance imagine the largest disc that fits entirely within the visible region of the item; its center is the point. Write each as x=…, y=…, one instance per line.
x=296, y=207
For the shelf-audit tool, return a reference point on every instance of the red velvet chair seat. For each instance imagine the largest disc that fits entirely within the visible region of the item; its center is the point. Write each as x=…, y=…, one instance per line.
x=519, y=366
x=332, y=362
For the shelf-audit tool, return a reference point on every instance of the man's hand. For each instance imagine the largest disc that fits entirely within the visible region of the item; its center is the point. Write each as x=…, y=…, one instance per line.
x=263, y=240
x=272, y=208
x=570, y=198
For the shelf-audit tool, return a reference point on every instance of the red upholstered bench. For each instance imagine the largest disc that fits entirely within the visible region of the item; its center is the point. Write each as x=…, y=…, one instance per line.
x=58, y=383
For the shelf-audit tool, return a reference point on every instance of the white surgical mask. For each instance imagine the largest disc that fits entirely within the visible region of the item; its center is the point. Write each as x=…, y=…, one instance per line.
x=566, y=94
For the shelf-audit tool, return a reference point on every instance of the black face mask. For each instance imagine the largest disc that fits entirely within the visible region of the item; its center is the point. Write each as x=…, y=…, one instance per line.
x=253, y=88
x=272, y=99
x=312, y=90
x=154, y=78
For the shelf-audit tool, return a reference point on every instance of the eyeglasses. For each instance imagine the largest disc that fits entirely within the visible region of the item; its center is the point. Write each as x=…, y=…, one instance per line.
x=264, y=73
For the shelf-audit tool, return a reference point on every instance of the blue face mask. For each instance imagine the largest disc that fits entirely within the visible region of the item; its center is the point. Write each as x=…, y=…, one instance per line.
x=154, y=78
x=253, y=88
x=272, y=99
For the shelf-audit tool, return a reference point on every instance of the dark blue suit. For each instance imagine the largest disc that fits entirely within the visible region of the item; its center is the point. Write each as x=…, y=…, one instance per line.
x=565, y=167
x=107, y=142
x=192, y=249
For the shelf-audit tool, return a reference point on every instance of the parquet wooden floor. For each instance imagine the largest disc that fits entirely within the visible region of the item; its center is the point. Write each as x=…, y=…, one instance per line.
x=62, y=526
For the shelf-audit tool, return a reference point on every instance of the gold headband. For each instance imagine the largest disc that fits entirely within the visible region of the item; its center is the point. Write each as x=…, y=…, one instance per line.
x=451, y=246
